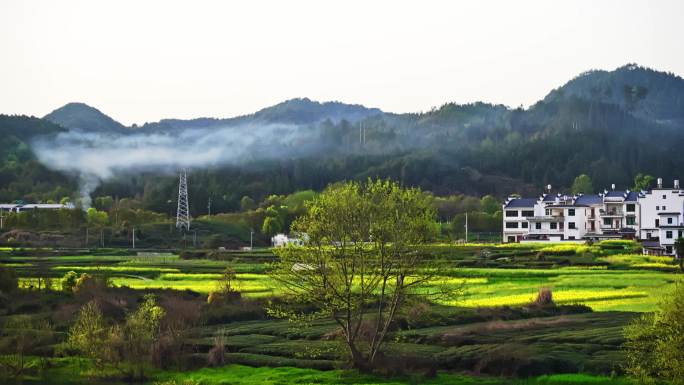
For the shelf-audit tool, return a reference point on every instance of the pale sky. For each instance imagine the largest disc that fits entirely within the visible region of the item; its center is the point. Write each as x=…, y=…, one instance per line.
x=141, y=61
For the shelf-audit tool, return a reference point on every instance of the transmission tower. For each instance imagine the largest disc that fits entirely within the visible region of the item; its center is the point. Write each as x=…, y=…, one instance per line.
x=183, y=212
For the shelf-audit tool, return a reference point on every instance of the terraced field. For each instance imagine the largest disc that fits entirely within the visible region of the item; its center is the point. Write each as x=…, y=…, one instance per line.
x=489, y=328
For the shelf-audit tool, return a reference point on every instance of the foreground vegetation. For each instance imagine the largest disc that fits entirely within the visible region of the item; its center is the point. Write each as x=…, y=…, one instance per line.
x=367, y=292
x=492, y=318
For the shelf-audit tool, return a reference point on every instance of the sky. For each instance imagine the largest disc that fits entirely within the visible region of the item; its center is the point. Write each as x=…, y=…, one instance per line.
x=141, y=61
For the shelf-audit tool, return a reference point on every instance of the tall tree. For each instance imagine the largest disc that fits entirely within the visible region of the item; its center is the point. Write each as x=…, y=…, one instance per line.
x=642, y=181
x=679, y=250
x=360, y=264
x=489, y=204
x=582, y=185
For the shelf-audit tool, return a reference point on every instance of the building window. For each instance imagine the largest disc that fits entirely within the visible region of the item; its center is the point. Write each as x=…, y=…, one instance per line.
x=648, y=235
x=669, y=249
x=571, y=212
x=571, y=225
x=528, y=213
x=511, y=239
x=554, y=225
x=548, y=212
x=668, y=234
x=511, y=225
x=669, y=221
x=571, y=237
x=657, y=223
x=523, y=225
x=630, y=208
x=511, y=213
x=657, y=207
x=631, y=221
x=664, y=208
x=537, y=225
x=607, y=221
x=664, y=196
x=679, y=234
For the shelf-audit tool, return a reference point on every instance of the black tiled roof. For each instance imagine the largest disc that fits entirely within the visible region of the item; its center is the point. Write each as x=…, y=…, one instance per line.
x=521, y=202
x=615, y=194
x=632, y=196
x=651, y=244
x=589, y=199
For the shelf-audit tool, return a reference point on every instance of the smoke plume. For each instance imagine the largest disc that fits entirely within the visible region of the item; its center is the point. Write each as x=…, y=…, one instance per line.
x=96, y=156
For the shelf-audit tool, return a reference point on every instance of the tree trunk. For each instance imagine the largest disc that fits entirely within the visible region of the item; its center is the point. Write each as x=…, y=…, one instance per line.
x=358, y=360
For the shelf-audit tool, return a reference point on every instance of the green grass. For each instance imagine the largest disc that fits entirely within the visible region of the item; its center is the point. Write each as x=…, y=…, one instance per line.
x=245, y=375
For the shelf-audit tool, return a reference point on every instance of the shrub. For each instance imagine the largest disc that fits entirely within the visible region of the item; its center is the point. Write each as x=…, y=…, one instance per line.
x=193, y=254
x=242, y=310
x=8, y=280
x=90, y=286
x=417, y=314
x=69, y=281
x=219, y=297
x=217, y=354
x=544, y=297
x=655, y=341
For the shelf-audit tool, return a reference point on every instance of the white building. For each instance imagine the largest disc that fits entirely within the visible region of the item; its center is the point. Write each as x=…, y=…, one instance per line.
x=655, y=217
x=282, y=240
x=19, y=207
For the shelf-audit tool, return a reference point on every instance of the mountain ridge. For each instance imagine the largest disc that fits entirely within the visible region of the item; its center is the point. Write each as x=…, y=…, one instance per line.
x=475, y=148
x=77, y=115
x=640, y=91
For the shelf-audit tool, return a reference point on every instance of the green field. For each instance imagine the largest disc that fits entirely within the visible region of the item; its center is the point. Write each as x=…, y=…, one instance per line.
x=487, y=329
x=624, y=282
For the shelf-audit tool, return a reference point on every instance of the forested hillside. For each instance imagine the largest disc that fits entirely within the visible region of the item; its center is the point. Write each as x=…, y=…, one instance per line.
x=21, y=175
x=610, y=125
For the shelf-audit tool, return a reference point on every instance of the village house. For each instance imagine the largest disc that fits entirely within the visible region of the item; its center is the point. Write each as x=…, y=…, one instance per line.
x=655, y=217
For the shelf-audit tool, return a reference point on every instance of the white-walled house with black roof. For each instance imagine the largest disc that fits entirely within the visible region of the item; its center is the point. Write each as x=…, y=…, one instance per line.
x=655, y=217
x=515, y=218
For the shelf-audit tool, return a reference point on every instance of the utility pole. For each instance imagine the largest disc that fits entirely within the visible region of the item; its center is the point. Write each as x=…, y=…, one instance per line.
x=86, y=242
x=251, y=238
x=2, y=219
x=466, y=228
x=209, y=207
x=133, y=238
x=116, y=210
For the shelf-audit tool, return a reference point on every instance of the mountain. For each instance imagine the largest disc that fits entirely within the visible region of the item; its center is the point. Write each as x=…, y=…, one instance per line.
x=610, y=125
x=22, y=176
x=641, y=91
x=306, y=111
x=84, y=117
x=301, y=111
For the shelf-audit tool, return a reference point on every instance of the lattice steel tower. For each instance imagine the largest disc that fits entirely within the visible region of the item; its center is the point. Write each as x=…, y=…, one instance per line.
x=183, y=212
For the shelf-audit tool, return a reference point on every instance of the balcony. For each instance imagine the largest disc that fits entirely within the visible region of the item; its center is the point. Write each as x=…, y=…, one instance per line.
x=545, y=231
x=547, y=218
x=613, y=213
